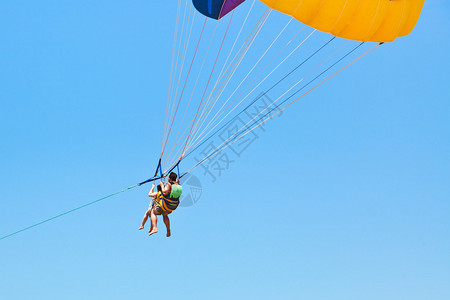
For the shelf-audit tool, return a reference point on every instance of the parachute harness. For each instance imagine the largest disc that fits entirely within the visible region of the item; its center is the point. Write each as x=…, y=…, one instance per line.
x=159, y=174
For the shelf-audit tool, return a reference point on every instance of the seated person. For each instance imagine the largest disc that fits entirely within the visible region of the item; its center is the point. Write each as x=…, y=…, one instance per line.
x=167, y=202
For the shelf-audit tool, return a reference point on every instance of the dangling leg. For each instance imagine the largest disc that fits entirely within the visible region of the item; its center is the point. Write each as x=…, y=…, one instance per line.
x=144, y=220
x=167, y=223
x=153, y=219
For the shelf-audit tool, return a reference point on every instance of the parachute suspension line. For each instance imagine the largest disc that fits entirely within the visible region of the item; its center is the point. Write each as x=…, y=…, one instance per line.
x=267, y=65
x=246, y=126
x=273, y=102
x=245, y=78
x=225, y=63
x=232, y=48
x=248, y=41
x=240, y=134
x=252, y=37
x=322, y=82
x=254, y=32
x=177, y=42
x=183, y=58
x=242, y=57
x=204, y=59
x=262, y=56
x=269, y=113
x=242, y=51
x=301, y=80
x=219, y=77
x=173, y=167
x=289, y=55
x=184, y=86
x=174, y=46
x=214, y=118
x=239, y=55
x=172, y=74
x=67, y=212
x=183, y=44
x=192, y=93
x=282, y=79
x=302, y=63
x=207, y=84
x=323, y=72
x=257, y=98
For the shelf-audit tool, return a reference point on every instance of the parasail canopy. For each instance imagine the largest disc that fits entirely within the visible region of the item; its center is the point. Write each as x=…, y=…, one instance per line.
x=361, y=20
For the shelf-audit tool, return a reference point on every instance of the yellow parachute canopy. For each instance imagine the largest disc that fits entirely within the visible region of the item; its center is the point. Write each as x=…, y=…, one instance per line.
x=362, y=20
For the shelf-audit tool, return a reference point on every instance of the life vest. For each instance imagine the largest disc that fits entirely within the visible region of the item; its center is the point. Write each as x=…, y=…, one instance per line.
x=176, y=191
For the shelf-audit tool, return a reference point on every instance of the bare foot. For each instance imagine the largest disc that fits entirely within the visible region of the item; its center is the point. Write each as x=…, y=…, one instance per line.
x=142, y=227
x=168, y=233
x=153, y=231
x=151, y=228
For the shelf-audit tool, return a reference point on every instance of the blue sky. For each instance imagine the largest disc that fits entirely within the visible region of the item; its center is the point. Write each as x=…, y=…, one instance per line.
x=344, y=196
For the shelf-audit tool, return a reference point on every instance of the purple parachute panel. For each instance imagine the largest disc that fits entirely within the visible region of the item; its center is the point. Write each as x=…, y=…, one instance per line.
x=229, y=5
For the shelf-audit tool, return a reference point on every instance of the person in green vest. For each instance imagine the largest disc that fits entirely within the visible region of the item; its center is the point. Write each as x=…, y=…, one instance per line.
x=168, y=202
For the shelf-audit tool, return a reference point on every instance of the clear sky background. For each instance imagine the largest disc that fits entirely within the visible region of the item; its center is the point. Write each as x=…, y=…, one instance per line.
x=345, y=196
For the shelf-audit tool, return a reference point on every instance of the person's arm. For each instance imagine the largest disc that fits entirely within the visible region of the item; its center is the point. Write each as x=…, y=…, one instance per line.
x=151, y=194
x=166, y=189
